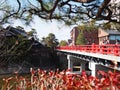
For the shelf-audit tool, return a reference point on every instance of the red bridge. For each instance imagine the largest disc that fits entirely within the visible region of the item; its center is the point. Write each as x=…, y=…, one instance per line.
x=110, y=49
x=105, y=55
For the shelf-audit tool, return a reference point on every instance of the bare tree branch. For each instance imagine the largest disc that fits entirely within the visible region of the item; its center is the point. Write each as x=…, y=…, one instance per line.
x=66, y=9
x=12, y=14
x=102, y=7
x=84, y=1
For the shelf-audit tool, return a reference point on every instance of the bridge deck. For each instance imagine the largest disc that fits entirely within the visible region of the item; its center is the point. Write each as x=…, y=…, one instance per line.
x=97, y=55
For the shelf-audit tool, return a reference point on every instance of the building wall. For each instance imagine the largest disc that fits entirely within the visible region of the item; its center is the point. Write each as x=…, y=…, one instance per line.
x=90, y=36
x=102, y=35
x=74, y=34
x=109, y=36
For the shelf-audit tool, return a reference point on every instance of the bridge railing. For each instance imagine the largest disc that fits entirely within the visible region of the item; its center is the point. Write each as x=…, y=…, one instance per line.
x=109, y=49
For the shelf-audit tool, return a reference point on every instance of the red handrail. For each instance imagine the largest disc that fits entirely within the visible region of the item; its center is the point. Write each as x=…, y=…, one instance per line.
x=109, y=49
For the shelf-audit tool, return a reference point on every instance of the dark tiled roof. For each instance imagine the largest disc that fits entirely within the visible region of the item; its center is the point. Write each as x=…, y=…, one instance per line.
x=16, y=31
x=112, y=31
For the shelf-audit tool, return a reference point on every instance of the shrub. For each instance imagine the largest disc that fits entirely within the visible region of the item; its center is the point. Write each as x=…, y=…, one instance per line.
x=62, y=80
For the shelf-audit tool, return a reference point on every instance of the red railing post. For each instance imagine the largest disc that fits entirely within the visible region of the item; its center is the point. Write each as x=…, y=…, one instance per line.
x=109, y=49
x=102, y=46
x=93, y=48
x=97, y=48
x=116, y=50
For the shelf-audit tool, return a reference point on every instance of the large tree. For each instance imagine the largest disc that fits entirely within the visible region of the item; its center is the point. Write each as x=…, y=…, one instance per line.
x=69, y=11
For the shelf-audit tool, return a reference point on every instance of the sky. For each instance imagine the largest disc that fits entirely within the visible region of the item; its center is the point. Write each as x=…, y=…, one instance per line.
x=43, y=28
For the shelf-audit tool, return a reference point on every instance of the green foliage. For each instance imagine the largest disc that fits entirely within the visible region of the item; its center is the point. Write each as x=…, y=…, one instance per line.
x=33, y=34
x=63, y=43
x=80, y=39
x=50, y=40
x=48, y=5
x=88, y=26
x=116, y=26
x=108, y=26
